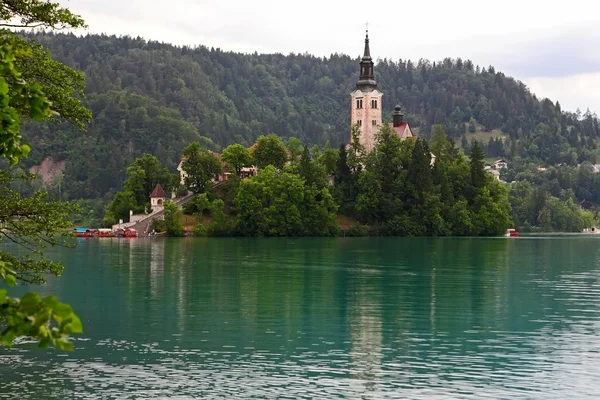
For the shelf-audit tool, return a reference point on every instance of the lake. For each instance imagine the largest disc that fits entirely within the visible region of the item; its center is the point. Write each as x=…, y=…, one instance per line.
x=324, y=318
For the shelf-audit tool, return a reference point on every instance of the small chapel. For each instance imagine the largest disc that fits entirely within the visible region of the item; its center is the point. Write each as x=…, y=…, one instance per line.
x=366, y=105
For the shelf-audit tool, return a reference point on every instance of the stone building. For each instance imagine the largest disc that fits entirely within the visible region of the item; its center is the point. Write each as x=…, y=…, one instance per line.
x=367, y=102
x=157, y=198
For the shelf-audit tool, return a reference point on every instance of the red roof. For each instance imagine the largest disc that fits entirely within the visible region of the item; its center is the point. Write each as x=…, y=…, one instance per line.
x=158, y=192
x=403, y=131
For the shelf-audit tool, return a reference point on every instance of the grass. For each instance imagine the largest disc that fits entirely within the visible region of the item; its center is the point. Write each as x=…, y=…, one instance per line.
x=484, y=136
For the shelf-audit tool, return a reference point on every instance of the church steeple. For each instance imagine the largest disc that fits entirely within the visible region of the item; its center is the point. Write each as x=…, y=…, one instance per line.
x=367, y=78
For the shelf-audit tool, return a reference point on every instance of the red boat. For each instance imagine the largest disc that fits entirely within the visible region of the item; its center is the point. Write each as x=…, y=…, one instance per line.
x=84, y=232
x=105, y=233
x=511, y=233
x=127, y=233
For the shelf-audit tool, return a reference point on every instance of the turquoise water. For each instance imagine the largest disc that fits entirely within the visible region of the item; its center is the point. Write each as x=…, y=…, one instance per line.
x=350, y=318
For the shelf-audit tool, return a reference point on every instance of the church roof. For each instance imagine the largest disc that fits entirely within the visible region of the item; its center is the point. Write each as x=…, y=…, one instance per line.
x=158, y=192
x=403, y=130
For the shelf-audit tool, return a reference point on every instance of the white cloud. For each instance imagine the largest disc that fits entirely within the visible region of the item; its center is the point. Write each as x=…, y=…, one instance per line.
x=572, y=92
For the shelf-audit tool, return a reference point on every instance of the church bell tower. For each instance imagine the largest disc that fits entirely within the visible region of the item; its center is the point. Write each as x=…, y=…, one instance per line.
x=366, y=101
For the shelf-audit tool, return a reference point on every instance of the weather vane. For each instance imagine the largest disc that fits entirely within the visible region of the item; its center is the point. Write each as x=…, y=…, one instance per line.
x=367, y=25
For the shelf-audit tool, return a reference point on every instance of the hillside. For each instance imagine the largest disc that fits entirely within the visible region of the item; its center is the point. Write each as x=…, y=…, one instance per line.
x=154, y=97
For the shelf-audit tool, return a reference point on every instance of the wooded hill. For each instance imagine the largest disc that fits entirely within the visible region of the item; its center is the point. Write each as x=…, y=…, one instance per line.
x=157, y=98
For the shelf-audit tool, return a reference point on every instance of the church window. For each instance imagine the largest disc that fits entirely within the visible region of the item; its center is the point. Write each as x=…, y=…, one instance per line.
x=359, y=122
x=359, y=103
x=374, y=123
x=374, y=103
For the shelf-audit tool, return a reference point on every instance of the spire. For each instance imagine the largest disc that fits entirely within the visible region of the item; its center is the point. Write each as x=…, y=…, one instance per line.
x=367, y=78
x=367, y=54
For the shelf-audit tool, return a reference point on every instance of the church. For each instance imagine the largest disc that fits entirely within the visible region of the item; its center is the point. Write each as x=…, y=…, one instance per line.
x=367, y=102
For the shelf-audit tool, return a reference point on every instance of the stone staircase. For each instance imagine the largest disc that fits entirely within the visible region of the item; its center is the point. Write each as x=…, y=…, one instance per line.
x=143, y=226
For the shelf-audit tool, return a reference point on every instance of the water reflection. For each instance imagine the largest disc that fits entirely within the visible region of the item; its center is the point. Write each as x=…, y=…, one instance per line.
x=324, y=318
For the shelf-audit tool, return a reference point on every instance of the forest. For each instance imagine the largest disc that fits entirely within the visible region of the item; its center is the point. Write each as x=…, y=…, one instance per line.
x=156, y=98
x=395, y=190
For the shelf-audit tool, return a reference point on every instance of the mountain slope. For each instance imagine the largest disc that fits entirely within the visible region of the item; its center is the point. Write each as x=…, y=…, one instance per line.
x=154, y=97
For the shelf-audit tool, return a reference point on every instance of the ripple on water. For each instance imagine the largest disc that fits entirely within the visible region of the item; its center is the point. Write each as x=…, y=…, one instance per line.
x=341, y=319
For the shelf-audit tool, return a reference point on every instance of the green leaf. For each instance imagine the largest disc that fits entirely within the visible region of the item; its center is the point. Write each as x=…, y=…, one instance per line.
x=30, y=302
x=10, y=280
x=63, y=310
x=63, y=344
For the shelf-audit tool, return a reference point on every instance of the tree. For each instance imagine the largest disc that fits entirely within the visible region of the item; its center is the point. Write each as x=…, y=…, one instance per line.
x=441, y=146
x=201, y=166
x=61, y=85
x=17, y=97
x=172, y=216
x=136, y=184
x=356, y=151
x=149, y=171
x=295, y=146
x=329, y=158
x=312, y=172
x=269, y=150
x=238, y=157
x=35, y=221
x=280, y=204
x=477, y=164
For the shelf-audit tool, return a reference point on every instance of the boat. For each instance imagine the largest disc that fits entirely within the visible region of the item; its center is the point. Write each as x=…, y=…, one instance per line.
x=511, y=233
x=84, y=232
x=130, y=233
x=127, y=233
x=104, y=232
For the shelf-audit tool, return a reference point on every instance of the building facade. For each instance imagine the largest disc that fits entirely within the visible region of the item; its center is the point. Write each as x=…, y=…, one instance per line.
x=366, y=101
x=367, y=104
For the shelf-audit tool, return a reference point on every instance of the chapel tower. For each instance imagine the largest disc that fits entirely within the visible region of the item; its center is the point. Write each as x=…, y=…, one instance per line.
x=366, y=101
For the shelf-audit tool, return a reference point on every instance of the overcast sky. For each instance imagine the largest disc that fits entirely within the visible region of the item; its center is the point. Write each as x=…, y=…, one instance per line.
x=551, y=47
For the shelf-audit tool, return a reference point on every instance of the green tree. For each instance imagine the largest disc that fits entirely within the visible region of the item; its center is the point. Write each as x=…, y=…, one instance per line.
x=312, y=172
x=269, y=150
x=201, y=166
x=295, y=146
x=356, y=151
x=172, y=215
x=472, y=126
x=154, y=172
x=329, y=158
x=477, y=164
x=35, y=221
x=136, y=184
x=441, y=146
x=120, y=208
x=280, y=204
x=238, y=157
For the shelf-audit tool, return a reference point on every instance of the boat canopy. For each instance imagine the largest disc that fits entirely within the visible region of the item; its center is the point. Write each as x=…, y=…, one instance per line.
x=81, y=230
x=104, y=230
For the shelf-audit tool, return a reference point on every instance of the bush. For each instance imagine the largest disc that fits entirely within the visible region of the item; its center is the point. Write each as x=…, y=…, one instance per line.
x=357, y=230
x=190, y=208
x=200, y=231
x=172, y=222
x=158, y=225
x=182, y=191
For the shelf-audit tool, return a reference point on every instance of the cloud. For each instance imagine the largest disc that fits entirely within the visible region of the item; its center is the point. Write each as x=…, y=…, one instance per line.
x=532, y=40
x=572, y=92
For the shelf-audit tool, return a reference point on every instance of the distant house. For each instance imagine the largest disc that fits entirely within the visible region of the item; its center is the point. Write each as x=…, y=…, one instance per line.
x=245, y=172
x=499, y=164
x=585, y=205
x=496, y=173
